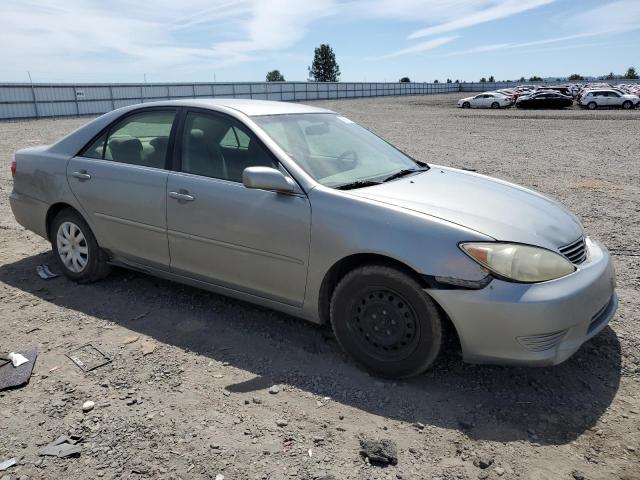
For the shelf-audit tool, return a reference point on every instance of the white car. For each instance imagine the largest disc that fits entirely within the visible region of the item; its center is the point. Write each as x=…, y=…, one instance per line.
x=608, y=98
x=485, y=100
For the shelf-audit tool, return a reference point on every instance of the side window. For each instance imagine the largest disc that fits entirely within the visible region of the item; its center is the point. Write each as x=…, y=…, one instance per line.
x=219, y=147
x=141, y=139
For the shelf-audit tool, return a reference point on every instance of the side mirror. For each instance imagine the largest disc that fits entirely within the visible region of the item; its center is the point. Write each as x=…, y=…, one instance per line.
x=267, y=178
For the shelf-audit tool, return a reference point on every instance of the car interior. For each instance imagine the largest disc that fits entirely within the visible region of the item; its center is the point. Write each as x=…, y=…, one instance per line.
x=214, y=147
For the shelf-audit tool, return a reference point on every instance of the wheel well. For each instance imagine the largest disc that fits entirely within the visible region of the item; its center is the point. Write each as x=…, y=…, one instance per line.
x=347, y=264
x=53, y=211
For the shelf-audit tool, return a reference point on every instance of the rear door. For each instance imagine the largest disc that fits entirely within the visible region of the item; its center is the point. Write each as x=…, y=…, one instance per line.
x=120, y=182
x=248, y=240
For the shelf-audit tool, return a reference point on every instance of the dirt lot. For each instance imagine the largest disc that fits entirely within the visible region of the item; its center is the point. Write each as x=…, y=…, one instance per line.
x=198, y=406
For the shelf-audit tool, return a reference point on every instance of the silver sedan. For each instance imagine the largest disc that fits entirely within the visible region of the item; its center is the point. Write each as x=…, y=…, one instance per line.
x=301, y=210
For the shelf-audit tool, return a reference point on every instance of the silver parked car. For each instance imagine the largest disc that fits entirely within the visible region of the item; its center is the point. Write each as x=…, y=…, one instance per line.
x=609, y=98
x=299, y=209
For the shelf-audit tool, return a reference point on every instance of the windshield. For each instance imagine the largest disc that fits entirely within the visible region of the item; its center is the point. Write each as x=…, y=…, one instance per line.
x=334, y=150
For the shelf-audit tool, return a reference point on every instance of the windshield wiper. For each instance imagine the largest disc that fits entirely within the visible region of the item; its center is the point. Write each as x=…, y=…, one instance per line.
x=357, y=184
x=404, y=172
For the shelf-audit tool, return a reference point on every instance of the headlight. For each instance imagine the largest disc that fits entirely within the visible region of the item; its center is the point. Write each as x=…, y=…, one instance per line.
x=520, y=263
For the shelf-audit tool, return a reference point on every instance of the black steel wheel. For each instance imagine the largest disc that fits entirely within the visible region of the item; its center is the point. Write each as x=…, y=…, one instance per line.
x=386, y=322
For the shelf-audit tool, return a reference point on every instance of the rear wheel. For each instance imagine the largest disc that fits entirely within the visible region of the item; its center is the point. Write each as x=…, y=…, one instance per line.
x=466, y=105
x=76, y=249
x=592, y=105
x=386, y=322
x=495, y=105
x=627, y=105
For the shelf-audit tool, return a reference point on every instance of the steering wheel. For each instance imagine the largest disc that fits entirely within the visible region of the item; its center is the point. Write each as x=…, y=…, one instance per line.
x=352, y=163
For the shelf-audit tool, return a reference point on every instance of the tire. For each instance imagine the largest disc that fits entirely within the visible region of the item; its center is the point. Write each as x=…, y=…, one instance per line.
x=495, y=105
x=384, y=320
x=592, y=105
x=466, y=105
x=70, y=232
x=627, y=105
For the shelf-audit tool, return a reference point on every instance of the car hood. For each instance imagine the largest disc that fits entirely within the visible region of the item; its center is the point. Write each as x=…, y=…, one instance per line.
x=495, y=208
x=465, y=99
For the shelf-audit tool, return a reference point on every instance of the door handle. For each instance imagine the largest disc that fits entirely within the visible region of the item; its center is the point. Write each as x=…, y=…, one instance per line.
x=81, y=175
x=182, y=195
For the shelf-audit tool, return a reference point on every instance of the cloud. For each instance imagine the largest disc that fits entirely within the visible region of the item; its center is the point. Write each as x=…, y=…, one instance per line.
x=600, y=21
x=421, y=47
x=276, y=24
x=613, y=17
x=474, y=16
x=89, y=39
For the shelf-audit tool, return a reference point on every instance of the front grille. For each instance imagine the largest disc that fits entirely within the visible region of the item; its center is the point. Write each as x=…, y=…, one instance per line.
x=575, y=252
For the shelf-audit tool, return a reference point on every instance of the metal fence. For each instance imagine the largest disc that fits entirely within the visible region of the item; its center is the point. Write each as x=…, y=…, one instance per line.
x=38, y=100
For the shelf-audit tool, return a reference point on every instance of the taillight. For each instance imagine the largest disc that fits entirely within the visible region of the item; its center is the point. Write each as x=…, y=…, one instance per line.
x=14, y=166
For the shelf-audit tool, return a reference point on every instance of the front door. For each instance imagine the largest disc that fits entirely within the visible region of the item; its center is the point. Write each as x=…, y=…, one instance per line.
x=120, y=183
x=254, y=241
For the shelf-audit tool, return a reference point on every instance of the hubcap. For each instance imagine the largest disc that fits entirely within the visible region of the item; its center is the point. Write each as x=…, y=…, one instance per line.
x=385, y=324
x=72, y=247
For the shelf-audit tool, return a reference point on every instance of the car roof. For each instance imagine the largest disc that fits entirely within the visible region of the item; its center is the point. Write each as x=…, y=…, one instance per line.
x=248, y=107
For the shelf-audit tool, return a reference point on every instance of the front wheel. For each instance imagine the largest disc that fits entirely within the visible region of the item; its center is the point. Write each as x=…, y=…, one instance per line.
x=466, y=105
x=76, y=249
x=495, y=105
x=386, y=322
x=627, y=105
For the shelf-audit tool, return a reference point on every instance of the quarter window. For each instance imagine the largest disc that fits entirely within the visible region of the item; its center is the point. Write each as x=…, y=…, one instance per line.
x=216, y=146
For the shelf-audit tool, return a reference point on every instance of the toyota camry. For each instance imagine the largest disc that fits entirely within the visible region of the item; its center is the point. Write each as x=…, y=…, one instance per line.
x=299, y=209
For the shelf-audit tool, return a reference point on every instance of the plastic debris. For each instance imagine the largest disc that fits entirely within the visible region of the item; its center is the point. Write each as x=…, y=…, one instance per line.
x=7, y=464
x=62, y=447
x=13, y=377
x=44, y=272
x=17, y=359
x=88, y=357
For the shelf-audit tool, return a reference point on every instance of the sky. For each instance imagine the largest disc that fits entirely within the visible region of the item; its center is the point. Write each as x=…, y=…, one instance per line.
x=374, y=40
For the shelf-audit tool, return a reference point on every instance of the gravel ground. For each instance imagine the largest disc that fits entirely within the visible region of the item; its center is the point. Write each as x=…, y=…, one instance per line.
x=190, y=394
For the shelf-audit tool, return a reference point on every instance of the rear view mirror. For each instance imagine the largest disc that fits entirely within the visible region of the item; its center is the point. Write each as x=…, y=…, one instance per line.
x=317, y=129
x=266, y=178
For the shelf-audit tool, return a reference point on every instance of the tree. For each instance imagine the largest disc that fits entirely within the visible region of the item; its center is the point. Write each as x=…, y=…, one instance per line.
x=522, y=79
x=457, y=81
x=449, y=80
x=535, y=78
x=611, y=76
x=436, y=81
x=491, y=79
x=483, y=80
x=275, y=76
x=576, y=76
x=405, y=80
x=324, y=67
x=631, y=73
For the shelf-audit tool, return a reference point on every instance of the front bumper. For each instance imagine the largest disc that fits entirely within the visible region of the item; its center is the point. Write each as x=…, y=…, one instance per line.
x=534, y=324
